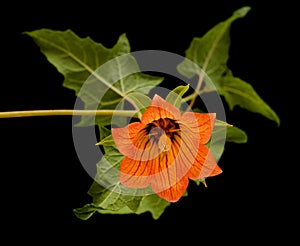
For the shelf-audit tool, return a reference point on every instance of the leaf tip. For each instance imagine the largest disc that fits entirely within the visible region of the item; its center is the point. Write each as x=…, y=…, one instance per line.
x=242, y=11
x=277, y=120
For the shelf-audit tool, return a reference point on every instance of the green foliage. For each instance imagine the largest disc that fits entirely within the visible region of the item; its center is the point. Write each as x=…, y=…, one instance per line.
x=150, y=203
x=241, y=93
x=141, y=100
x=79, y=60
x=175, y=96
x=211, y=53
x=233, y=133
x=236, y=135
x=74, y=57
x=95, y=72
x=109, y=195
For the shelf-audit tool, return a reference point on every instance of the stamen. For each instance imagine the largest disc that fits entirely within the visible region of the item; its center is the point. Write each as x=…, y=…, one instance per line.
x=164, y=143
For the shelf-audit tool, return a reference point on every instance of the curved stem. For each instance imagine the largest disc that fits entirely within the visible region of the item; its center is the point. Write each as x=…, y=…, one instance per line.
x=56, y=112
x=197, y=90
x=195, y=94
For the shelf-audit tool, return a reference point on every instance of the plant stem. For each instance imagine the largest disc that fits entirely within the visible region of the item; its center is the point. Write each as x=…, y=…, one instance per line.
x=55, y=112
x=195, y=94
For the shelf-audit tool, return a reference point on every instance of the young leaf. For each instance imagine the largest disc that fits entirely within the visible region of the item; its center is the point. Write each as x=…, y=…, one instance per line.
x=175, y=96
x=239, y=92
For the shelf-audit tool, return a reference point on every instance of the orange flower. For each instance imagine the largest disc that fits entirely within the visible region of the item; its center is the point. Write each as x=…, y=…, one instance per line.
x=166, y=149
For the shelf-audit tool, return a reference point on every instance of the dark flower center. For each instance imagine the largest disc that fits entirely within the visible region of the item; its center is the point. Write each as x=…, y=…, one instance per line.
x=163, y=131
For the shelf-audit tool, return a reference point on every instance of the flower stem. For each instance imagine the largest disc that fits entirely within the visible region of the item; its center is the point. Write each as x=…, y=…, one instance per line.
x=55, y=112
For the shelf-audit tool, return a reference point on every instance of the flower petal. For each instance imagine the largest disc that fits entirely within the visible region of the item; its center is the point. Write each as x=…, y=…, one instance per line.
x=175, y=192
x=194, y=160
x=134, y=174
x=205, y=165
x=133, y=142
x=162, y=173
x=201, y=123
x=123, y=137
x=158, y=109
x=158, y=171
x=166, y=160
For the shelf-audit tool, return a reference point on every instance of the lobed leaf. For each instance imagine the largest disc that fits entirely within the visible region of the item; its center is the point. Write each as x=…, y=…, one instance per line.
x=74, y=57
x=211, y=51
x=107, y=74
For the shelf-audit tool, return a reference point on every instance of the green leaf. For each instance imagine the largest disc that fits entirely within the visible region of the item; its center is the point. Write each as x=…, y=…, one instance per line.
x=137, y=83
x=175, y=96
x=233, y=133
x=124, y=210
x=85, y=212
x=141, y=100
x=211, y=51
x=241, y=93
x=151, y=203
x=154, y=204
x=236, y=135
x=74, y=57
x=106, y=200
x=88, y=210
x=108, y=74
x=222, y=133
x=110, y=196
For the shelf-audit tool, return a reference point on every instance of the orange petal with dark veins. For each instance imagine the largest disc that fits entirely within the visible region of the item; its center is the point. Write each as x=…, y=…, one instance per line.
x=201, y=123
x=158, y=109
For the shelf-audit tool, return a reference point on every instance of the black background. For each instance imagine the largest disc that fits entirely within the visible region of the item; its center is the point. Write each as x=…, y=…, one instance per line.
x=42, y=178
